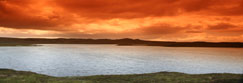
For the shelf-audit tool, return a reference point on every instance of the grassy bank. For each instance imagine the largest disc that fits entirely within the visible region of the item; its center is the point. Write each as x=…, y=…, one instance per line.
x=11, y=76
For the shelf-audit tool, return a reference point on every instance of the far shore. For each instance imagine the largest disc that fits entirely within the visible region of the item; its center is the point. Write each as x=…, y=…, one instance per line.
x=119, y=42
x=16, y=44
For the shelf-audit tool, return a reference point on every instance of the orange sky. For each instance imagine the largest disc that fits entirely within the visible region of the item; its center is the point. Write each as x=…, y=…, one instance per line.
x=164, y=20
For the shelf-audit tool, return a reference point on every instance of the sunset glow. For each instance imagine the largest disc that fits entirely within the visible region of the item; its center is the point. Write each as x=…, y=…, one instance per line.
x=163, y=20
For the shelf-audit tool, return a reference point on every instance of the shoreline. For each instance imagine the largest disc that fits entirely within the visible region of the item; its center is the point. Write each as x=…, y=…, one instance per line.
x=12, y=76
x=40, y=44
x=119, y=42
x=16, y=44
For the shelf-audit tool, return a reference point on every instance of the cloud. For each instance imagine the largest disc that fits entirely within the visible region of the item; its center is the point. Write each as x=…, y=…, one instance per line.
x=61, y=14
x=191, y=31
x=225, y=29
x=153, y=8
x=101, y=9
x=221, y=26
x=160, y=29
x=28, y=14
x=147, y=19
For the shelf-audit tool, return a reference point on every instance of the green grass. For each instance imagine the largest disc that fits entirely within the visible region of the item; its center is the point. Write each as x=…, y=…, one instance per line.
x=11, y=76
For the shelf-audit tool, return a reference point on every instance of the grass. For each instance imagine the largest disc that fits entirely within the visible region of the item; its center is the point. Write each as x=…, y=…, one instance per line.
x=12, y=76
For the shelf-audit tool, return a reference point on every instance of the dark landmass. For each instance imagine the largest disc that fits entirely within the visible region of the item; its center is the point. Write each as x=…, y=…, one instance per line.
x=12, y=76
x=120, y=42
x=16, y=44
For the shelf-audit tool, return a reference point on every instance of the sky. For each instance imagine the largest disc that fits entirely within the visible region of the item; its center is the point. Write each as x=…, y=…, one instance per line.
x=161, y=20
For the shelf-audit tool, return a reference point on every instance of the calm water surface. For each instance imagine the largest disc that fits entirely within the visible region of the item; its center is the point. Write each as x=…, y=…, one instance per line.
x=85, y=60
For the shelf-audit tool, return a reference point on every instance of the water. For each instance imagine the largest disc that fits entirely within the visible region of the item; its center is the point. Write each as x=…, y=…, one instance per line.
x=85, y=60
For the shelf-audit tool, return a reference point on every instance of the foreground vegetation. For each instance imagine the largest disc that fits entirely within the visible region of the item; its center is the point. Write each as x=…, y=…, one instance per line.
x=12, y=76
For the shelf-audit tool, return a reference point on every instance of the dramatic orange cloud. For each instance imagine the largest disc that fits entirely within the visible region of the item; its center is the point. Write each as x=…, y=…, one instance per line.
x=167, y=20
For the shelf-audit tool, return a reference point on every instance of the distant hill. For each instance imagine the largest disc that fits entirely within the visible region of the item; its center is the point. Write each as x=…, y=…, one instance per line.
x=120, y=42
